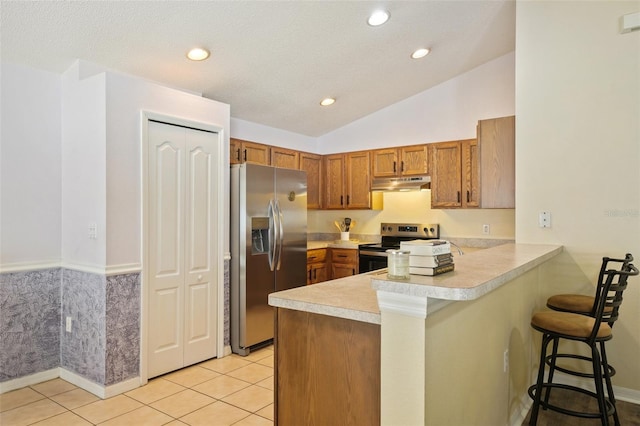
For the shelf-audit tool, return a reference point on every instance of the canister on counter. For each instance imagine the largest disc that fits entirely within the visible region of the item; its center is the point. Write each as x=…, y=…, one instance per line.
x=398, y=264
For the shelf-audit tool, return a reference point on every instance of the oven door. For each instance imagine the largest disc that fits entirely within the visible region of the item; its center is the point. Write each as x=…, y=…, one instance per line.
x=370, y=260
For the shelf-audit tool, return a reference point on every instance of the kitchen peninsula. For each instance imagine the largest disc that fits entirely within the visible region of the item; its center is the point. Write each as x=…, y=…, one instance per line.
x=366, y=349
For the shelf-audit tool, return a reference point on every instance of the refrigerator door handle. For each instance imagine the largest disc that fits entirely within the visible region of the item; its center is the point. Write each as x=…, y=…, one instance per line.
x=280, y=234
x=272, y=235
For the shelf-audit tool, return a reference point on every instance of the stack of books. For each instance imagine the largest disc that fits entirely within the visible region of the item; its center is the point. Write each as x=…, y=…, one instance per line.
x=428, y=257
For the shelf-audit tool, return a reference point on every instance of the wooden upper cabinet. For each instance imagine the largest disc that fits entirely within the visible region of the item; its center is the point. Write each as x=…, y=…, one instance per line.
x=476, y=173
x=312, y=164
x=414, y=160
x=471, y=174
x=384, y=162
x=403, y=161
x=347, y=181
x=446, y=174
x=334, y=195
x=358, y=183
x=241, y=151
x=286, y=158
x=497, y=160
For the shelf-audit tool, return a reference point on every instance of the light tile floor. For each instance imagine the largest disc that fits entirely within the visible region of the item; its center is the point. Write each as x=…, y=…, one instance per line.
x=233, y=390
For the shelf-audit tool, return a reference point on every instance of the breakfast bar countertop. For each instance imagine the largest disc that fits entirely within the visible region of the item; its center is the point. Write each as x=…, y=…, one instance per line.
x=475, y=275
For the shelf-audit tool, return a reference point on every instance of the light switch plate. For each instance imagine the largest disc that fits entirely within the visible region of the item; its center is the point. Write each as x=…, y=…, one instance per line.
x=544, y=219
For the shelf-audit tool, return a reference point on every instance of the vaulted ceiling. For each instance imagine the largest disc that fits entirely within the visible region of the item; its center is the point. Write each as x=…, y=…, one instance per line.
x=272, y=61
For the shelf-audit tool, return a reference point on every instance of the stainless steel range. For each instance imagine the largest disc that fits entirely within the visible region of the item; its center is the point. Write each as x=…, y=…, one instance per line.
x=374, y=256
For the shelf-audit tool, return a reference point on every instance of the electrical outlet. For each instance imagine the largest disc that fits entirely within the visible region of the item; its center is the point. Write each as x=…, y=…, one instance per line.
x=68, y=325
x=93, y=231
x=505, y=361
x=486, y=229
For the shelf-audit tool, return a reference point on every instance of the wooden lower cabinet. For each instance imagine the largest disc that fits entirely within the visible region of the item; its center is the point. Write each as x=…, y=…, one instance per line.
x=317, y=267
x=344, y=263
x=327, y=370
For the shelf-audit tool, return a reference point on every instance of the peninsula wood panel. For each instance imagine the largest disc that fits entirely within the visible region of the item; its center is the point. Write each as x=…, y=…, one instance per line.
x=327, y=370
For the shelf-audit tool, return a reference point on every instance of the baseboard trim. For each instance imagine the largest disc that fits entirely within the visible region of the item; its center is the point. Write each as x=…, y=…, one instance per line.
x=227, y=351
x=522, y=410
x=100, y=391
x=31, y=379
x=622, y=394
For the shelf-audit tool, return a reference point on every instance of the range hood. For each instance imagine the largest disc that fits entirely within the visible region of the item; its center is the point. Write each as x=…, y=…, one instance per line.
x=409, y=183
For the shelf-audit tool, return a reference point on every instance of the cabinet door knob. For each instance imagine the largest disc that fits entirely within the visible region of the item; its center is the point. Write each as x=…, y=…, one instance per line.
x=394, y=167
x=199, y=277
x=459, y=196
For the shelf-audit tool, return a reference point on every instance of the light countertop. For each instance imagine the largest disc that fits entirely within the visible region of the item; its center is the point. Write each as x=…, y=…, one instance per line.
x=476, y=274
x=351, y=244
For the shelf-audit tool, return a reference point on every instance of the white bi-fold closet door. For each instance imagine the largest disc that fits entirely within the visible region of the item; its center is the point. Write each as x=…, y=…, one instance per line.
x=182, y=289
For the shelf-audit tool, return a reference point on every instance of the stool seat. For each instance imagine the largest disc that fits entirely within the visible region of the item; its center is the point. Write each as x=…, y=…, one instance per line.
x=569, y=325
x=576, y=303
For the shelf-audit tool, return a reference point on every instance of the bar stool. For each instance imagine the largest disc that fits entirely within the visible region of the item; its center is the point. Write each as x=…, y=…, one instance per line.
x=593, y=330
x=585, y=305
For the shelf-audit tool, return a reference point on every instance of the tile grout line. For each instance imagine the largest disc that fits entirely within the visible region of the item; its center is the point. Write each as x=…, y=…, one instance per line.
x=268, y=353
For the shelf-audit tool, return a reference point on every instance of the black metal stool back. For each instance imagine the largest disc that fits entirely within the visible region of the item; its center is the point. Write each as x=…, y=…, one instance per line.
x=594, y=330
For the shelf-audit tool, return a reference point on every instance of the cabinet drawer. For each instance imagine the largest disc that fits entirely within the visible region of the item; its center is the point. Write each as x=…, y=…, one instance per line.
x=316, y=255
x=344, y=256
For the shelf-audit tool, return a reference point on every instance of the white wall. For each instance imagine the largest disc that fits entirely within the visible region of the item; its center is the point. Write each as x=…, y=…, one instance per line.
x=126, y=97
x=83, y=169
x=578, y=148
x=449, y=111
x=246, y=130
x=30, y=169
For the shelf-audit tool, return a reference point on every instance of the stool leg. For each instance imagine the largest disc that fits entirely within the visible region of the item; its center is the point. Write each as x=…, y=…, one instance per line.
x=552, y=368
x=607, y=378
x=597, y=377
x=533, y=420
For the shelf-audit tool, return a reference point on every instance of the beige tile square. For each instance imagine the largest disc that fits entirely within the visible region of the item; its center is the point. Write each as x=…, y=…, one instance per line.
x=257, y=355
x=30, y=413
x=18, y=398
x=252, y=373
x=216, y=414
x=155, y=390
x=176, y=423
x=53, y=387
x=191, y=376
x=221, y=386
x=64, y=419
x=251, y=399
x=226, y=364
x=268, y=361
x=182, y=403
x=142, y=416
x=74, y=398
x=254, y=420
x=105, y=409
x=267, y=412
x=267, y=383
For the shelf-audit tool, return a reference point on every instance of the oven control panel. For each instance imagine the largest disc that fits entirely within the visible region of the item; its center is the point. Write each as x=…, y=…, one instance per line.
x=417, y=230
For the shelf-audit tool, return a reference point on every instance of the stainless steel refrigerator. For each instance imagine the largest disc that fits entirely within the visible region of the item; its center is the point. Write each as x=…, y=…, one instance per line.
x=268, y=239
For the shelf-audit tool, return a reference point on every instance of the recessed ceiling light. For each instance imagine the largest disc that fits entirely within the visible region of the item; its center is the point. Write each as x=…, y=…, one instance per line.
x=198, y=54
x=378, y=17
x=327, y=101
x=420, y=53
